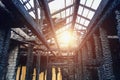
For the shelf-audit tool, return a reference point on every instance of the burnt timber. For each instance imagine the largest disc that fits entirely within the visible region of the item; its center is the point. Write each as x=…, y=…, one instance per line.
x=29, y=46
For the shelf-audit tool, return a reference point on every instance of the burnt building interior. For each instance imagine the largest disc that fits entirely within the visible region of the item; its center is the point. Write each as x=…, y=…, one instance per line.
x=59, y=39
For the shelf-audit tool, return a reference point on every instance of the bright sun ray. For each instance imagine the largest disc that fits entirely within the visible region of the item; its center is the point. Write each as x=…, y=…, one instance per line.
x=65, y=39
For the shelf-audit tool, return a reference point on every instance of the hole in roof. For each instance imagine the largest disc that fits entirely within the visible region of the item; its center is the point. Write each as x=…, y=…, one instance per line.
x=80, y=10
x=96, y=4
x=31, y=3
x=69, y=2
x=78, y=18
x=82, y=1
x=63, y=14
x=54, y=6
x=32, y=14
x=89, y=3
x=90, y=15
x=85, y=12
x=71, y=10
x=86, y=22
x=68, y=12
x=82, y=21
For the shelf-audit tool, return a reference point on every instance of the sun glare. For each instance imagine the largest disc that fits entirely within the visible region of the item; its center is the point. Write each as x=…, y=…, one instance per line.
x=65, y=39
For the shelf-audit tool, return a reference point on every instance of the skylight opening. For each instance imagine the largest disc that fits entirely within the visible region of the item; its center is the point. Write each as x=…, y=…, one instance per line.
x=78, y=18
x=82, y=21
x=69, y=2
x=56, y=5
x=68, y=12
x=32, y=14
x=90, y=14
x=89, y=3
x=28, y=6
x=85, y=12
x=86, y=22
x=96, y=4
x=82, y=2
x=71, y=10
x=31, y=3
x=39, y=13
x=80, y=10
x=63, y=14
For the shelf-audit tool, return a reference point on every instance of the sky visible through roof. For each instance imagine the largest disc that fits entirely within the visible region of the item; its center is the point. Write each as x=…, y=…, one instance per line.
x=85, y=12
x=64, y=9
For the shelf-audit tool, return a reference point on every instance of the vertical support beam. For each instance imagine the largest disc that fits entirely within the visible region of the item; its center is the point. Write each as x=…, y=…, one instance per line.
x=98, y=52
x=20, y=72
x=108, y=69
x=29, y=65
x=49, y=69
x=44, y=75
x=46, y=9
x=38, y=66
x=49, y=73
x=117, y=12
x=76, y=7
x=56, y=73
x=4, y=45
x=12, y=61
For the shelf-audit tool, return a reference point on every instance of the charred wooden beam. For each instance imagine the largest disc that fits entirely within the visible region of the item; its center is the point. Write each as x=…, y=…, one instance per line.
x=62, y=10
x=29, y=65
x=81, y=25
x=76, y=7
x=83, y=17
x=25, y=18
x=46, y=9
x=88, y=7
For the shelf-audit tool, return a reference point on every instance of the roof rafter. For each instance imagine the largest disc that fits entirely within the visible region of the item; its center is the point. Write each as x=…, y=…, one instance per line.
x=81, y=24
x=76, y=7
x=61, y=10
x=48, y=16
x=87, y=7
x=83, y=17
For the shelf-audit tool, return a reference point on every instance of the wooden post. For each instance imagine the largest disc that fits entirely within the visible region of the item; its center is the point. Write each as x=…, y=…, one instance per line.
x=29, y=70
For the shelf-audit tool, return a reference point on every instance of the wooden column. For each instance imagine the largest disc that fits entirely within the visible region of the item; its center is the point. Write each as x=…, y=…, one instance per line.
x=49, y=73
x=29, y=65
x=107, y=64
x=38, y=66
x=4, y=45
x=56, y=72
